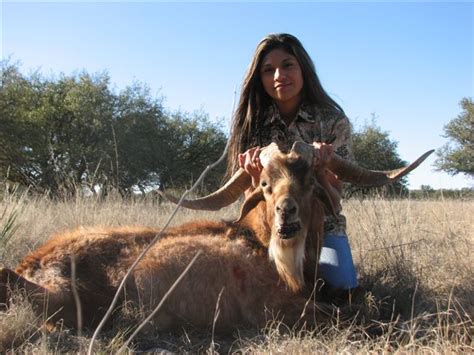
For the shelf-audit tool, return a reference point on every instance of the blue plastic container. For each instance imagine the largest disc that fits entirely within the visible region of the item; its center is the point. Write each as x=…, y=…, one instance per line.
x=335, y=264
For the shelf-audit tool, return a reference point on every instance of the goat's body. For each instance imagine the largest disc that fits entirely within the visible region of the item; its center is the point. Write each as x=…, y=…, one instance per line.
x=230, y=264
x=281, y=219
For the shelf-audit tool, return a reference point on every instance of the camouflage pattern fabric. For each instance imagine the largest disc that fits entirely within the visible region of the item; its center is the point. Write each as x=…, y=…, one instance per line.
x=311, y=124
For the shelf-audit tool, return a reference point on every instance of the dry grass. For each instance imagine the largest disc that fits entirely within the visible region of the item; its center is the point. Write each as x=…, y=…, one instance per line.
x=414, y=258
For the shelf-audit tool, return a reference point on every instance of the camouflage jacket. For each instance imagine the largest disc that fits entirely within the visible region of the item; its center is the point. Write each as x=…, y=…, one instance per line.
x=311, y=124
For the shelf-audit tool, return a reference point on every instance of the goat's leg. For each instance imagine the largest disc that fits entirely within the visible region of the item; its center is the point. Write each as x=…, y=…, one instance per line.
x=3, y=289
x=55, y=305
x=9, y=280
x=297, y=311
x=313, y=314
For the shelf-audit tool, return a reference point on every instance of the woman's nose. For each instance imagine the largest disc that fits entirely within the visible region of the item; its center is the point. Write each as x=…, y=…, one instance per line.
x=278, y=74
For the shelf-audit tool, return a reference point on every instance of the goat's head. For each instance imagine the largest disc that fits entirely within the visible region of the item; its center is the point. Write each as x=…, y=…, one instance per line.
x=287, y=185
x=290, y=193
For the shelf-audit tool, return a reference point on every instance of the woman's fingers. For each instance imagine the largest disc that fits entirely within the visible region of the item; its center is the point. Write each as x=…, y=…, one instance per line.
x=322, y=153
x=241, y=159
x=256, y=159
x=250, y=162
x=334, y=181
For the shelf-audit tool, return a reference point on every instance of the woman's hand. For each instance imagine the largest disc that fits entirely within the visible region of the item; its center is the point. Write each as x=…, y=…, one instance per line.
x=250, y=162
x=322, y=155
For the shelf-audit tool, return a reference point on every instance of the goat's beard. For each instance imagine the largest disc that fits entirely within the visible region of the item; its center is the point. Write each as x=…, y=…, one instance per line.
x=288, y=255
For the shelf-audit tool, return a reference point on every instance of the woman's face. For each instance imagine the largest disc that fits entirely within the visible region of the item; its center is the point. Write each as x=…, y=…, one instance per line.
x=282, y=79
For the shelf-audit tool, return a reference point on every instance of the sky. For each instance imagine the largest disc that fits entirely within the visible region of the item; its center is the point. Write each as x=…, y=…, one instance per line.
x=408, y=64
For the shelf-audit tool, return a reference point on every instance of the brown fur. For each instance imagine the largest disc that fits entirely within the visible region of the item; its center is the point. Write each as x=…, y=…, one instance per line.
x=234, y=261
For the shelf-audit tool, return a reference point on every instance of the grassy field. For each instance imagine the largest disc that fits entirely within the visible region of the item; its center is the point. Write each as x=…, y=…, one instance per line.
x=414, y=259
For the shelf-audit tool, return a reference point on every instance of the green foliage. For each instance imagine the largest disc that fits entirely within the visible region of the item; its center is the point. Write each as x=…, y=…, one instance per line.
x=457, y=156
x=55, y=129
x=197, y=143
x=18, y=99
x=373, y=149
x=427, y=192
x=8, y=227
x=72, y=133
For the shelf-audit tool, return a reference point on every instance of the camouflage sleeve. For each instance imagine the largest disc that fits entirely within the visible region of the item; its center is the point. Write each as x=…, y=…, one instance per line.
x=252, y=141
x=342, y=130
x=260, y=138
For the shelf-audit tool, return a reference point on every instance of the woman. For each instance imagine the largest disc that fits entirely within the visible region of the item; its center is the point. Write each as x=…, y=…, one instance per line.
x=282, y=101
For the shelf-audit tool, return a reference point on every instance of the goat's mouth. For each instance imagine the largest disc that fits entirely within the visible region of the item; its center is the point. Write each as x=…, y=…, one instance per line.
x=288, y=230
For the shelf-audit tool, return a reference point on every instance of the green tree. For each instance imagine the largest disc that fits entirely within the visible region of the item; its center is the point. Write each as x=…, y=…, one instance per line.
x=54, y=131
x=196, y=143
x=77, y=116
x=60, y=135
x=19, y=97
x=373, y=149
x=141, y=131
x=159, y=148
x=457, y=156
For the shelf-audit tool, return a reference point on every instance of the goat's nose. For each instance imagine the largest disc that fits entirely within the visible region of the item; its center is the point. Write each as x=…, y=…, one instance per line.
x=287, y=208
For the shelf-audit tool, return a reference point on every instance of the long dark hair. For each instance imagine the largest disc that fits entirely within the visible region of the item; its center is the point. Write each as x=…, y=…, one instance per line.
x=254, y=100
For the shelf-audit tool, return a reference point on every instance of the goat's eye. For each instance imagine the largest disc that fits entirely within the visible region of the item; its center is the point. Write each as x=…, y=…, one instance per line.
x=266, y=187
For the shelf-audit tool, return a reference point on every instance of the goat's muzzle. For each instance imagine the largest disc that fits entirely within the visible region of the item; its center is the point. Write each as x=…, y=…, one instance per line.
x=288, y=230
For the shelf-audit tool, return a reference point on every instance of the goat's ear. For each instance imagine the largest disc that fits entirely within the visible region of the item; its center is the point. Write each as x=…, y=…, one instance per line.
x=250, y=202
x=323, y=195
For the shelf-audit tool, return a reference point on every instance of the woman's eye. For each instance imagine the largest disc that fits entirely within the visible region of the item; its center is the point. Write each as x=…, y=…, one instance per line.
x=263, y=183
